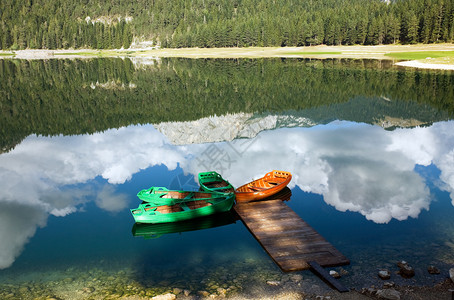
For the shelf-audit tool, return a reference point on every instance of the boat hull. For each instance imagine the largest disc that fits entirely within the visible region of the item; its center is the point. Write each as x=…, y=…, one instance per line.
x=213, y=182
x=270, y=184
x=152, y=213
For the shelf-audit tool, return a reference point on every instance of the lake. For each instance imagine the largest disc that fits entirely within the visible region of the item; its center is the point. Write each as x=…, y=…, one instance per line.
x=370, y=146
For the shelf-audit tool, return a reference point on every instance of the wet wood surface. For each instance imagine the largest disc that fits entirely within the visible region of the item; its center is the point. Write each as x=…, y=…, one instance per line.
x=287, y=238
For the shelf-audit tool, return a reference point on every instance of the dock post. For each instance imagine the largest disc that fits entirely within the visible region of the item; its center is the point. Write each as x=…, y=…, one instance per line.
x=322, y=273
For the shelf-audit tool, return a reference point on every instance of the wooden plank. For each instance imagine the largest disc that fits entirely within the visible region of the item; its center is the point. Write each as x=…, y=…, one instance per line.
x=290, y=241
x=316, y=268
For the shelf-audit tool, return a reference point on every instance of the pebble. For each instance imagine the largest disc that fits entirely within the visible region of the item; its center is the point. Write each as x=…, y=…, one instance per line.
x=221, y=291
x=433, y=270
x=273, y=282
x=187, y=293
x=334, y=274
x=451, y=274
x=177, y=291
x=203, y=293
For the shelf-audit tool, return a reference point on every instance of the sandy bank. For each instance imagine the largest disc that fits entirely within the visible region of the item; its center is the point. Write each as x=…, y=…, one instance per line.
x=421, y=65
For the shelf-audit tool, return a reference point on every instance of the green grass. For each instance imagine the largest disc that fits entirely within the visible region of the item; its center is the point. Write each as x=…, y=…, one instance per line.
x=420, y=55
x=311, y=53
x=7, y=54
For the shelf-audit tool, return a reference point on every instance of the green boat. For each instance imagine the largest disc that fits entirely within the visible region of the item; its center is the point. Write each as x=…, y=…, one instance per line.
x=161, y=205
x=213, y=182
x=153, y=231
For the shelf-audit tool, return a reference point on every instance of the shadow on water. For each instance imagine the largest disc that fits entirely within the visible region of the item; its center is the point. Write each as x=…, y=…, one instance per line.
x=154, y=231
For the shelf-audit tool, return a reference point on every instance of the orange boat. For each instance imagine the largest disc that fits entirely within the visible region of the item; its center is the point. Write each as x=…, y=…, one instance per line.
x=266, y=186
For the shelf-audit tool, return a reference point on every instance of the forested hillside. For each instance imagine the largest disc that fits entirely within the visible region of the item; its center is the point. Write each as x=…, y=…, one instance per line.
x=52, y=97
x=54, y=24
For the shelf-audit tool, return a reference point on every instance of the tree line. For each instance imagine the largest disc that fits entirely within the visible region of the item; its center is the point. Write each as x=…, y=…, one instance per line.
x=56, y=24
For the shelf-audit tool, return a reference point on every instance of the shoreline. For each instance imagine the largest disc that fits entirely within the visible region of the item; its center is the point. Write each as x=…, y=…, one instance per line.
x=316, y=52
x=421, y=65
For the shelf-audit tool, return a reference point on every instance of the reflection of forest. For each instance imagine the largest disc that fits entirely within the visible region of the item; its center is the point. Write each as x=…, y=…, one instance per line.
x=52, y=97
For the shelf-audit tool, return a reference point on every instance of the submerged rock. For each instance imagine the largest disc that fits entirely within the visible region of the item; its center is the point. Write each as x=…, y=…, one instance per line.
x=384, y=274
x=405, y=271
x=296, y=278
x=273, y=282
x=334, y=274
x=389, y=284
x=433, y=270
x=221, y=292
x=88, y=290
x=203, y=293
x=343, y=272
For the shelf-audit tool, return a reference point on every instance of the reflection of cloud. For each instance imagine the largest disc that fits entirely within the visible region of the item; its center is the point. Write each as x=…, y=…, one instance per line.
x=446, y=166
x=108, y=200
x=18, y=223
x=375, y=189
x=356, y=167
x=36, y=176
x=444, y=159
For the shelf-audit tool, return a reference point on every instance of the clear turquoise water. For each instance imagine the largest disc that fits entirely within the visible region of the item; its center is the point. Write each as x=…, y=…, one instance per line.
x=378, y=195
x=92, y=226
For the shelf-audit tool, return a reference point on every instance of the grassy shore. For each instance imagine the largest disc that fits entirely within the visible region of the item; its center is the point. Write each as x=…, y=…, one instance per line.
x=439, y=54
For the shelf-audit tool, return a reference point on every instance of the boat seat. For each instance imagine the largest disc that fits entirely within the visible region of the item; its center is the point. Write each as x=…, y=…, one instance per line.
x=256, y=188
x=272, y=182
x=221, y=188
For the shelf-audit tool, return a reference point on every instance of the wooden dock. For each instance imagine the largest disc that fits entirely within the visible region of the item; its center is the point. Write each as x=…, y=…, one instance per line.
x=290, y=241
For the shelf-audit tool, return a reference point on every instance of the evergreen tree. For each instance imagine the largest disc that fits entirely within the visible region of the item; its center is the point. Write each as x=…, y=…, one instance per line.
x=222, y=23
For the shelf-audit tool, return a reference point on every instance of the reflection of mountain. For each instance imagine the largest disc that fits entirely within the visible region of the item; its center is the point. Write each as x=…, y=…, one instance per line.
x=226, y=128
x=55, y=97
x=242, y=125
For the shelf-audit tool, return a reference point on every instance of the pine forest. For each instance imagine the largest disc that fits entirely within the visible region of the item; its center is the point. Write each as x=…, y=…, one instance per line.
x=108, y=24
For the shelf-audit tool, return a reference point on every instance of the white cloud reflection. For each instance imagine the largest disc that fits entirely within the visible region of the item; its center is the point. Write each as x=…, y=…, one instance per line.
x=356, y=167
x=16, y=230
x=36, y=177
x=111, y=201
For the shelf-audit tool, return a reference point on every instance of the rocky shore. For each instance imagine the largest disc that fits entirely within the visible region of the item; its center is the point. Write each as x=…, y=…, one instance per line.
x=261, y=282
